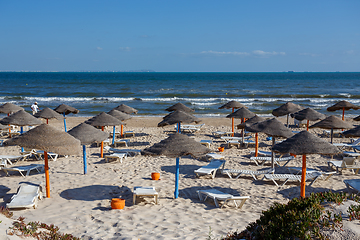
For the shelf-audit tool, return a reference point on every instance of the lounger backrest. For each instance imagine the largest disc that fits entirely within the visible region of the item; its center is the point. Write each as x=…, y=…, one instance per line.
x=356, y=142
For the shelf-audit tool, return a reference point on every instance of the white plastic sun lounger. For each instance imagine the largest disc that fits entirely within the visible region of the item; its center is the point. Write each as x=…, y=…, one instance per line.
x=210, y=169
x=218, y=134
x=39, y=155
x=351, y=154
x=115, y=156
x=353, y=185
x=217, y=196
x=210, y=156
x=262, y=160
x=27, y=196
x=347, y=145
x=22, y=169
x=238, y=172
x=207, y=143
x=346, y=163
x=314, y=176
x=145, y=192
x=129, y=152
x=7, y=159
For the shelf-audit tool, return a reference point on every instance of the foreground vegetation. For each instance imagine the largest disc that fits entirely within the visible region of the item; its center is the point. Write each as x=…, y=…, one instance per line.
x=299, y=218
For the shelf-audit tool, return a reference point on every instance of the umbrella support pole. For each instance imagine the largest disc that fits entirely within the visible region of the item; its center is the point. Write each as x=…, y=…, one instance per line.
x=287, y=120
x=332, y=132
x=47, y=178
x=307, y=125
x=343, y=117
x=179, y=127
x=84, y=157
x=176, y=193
x=256, y=144
x=102, y=145
x=303, y=177
x=121, y=131
x=272, y=153
x=113, y=140
x=232, y=124
x=65, y=122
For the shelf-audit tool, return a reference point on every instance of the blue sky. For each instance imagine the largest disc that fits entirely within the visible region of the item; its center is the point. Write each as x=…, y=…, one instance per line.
x=180, y=36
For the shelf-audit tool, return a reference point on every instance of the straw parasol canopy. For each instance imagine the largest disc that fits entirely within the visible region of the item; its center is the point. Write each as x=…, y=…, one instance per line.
x=2, y=127
x=103, y=119
x=65, y=109
x=10, y=108
x=21, y=118
x=355, y=132
x=119, y=115
x=179, y=106
x=48, y=139
x=178, y=117
x=232, y=104
x=344, y=105
x=87, y=134
x=251, y=121
x=286, y=109
x=126, y=109
x=48, y=113
x=332, y=122
x=176, y=146
x=305, y=143
x=308, y=114
x=241, y=113
x=273, y=128
x=357, y=118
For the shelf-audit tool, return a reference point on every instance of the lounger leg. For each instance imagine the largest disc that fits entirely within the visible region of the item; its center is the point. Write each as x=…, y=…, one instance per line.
x=238, y=176
x=216, y=202
x=134, y=199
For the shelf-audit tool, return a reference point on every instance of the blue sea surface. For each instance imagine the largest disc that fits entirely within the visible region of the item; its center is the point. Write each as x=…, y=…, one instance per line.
x=151, y=93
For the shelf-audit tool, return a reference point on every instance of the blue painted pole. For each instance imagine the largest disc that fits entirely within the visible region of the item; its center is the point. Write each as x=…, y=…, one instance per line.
x=21, y=132
x=65, y=122
x=113, y=136
x=176, y=193
x=179, y=128
x=84, y=156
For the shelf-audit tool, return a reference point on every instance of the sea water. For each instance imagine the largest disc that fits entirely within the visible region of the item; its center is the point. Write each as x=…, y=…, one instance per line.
x=151, y=93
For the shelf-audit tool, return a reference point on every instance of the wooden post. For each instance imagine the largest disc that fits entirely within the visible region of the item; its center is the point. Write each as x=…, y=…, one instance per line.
x=303, y=177
x=47, y=178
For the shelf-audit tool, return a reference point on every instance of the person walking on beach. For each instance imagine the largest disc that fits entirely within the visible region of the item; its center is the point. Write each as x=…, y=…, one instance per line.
x=35, y=108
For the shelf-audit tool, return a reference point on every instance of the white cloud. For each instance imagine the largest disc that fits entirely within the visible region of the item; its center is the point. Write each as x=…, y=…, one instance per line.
x=99, y=48
x=224, y=53
x=265, y=54
x=350, y=52
x=125, y=49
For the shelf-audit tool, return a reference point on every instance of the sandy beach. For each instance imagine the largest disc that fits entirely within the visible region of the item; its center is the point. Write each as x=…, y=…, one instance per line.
x=80, y=204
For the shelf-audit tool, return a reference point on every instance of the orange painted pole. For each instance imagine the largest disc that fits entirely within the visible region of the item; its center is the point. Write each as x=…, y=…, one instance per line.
x=307, y=125
x=102, y=145
x=343, y=118
x=121, y=133
x=232, y=120
x=256, y=144
x=47, y=178
x=47, y=121
x=303, y=177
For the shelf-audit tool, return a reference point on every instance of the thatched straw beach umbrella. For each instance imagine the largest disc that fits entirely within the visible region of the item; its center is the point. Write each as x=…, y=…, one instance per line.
x=273, y=128
x=122, y=117
x=48, y=139
x=308, y=114
x=101, y=120
x=9, y=108
x=179, y=106
x=21, y=118
x=242, y=113
x=249, y=122
x=176, y=146
x=286, y=109
x=178, y=117
x=342, y=105
x=126, y=109
x=305, y=143
x=65, y=110
x=47, y=114
x=232, y=105
x=354, y=132
x=332, y=123
x=87, y=134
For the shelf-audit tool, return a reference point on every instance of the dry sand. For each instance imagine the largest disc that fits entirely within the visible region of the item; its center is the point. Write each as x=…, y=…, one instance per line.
x=80, y=204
